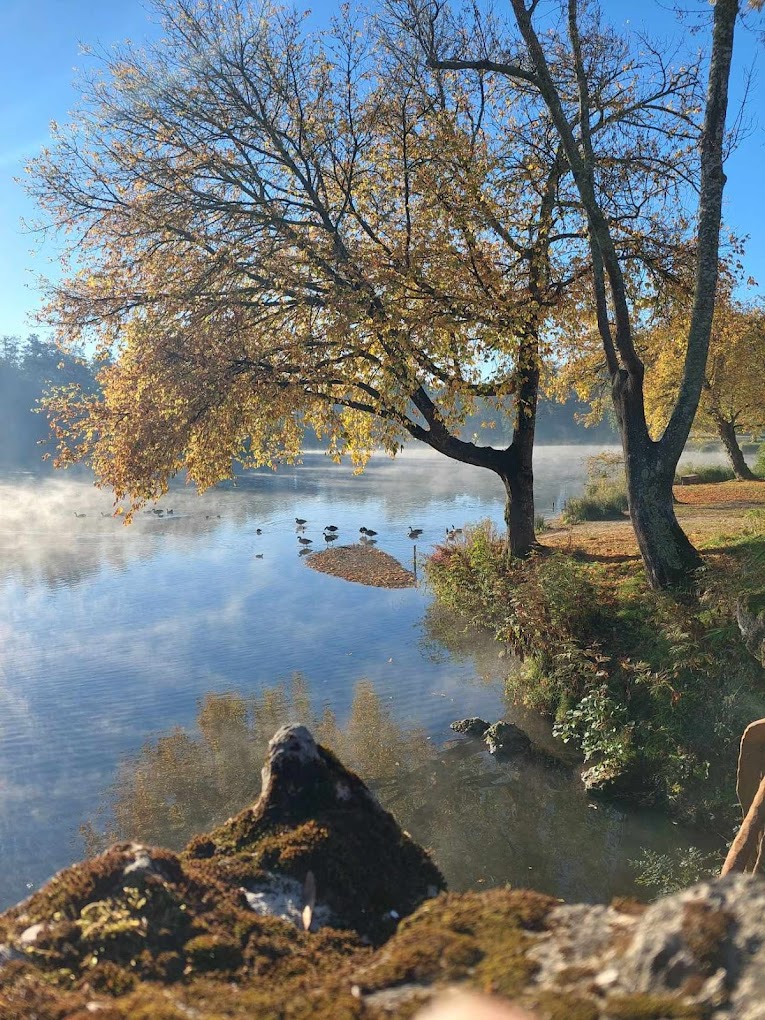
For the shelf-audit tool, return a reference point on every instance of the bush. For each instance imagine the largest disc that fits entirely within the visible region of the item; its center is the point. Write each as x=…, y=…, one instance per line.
x=605, y=492
x=707, y=473
x=759, y=463
x=540, y=523
x=654, y=692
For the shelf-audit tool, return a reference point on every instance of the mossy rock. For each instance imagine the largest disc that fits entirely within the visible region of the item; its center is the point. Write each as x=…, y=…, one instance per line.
x=480, y=936
x=316, y=816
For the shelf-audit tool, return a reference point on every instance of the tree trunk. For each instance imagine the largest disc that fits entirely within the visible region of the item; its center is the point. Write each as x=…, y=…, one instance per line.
x=669, y=557
x=518, y=479
x=740, y=467
x=517, y=471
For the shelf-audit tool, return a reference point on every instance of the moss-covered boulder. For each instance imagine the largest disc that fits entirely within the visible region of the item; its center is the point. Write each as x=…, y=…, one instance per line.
x=273, y=916
x=316, y=818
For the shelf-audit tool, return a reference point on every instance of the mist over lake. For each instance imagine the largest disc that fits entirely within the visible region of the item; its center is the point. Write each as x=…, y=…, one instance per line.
x=121, y=644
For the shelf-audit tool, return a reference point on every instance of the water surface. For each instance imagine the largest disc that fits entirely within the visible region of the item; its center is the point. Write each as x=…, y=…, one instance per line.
x=143, y=669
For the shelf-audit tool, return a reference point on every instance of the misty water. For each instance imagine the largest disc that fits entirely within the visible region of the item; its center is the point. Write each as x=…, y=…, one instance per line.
x=144, y=668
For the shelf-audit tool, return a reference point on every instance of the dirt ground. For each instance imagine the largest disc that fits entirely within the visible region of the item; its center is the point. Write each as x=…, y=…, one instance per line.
x=706, y=512
x=363, y=564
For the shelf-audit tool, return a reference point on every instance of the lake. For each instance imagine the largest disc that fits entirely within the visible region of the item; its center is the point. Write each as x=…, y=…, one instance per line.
x=143, y=669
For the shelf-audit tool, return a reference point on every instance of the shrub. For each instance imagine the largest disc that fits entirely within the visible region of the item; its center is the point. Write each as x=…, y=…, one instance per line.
x=674, y=871
x=653, y=691
x=759, y=463
x=605, y=492
x=540, y=523
x=707, y=472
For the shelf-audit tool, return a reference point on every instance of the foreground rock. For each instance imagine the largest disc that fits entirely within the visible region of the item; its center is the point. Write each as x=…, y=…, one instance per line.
x=290, y=910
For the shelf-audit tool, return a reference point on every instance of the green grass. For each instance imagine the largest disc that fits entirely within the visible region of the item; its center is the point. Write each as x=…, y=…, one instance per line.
x=707, y=472
x=605, y=492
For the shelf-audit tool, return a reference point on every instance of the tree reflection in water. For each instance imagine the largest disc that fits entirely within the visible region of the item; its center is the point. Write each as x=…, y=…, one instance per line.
x=526, y=822
x=184, y=783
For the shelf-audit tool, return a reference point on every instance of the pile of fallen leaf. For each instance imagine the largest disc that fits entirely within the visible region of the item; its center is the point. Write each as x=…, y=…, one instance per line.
x=363, y=564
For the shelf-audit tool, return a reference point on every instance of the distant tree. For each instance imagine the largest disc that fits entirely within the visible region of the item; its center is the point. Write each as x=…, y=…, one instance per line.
x=733, y=390
x=530, y=53
x=27, y=369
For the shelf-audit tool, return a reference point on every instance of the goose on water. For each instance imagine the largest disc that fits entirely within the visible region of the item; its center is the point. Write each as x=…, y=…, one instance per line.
x=305, y=541
x=79, y=515
x=332, y=527
x=368, y=532
x=414, y=532
x=300, y=521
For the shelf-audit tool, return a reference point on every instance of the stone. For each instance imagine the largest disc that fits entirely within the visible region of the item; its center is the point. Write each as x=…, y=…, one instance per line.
x=505, y=739
x=221, y=929
x=314, y=815
x=472, y=727
x=750, y=616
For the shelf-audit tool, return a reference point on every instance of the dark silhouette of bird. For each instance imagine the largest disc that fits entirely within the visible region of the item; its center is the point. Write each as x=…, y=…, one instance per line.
x=300, y=521
x=368, y=532
x=305, y=541
x=330, y=537
x=169, y=511
x=414, y=532
x=258, y=531
x=332, y=527
x=79, y=515
x=258, y=556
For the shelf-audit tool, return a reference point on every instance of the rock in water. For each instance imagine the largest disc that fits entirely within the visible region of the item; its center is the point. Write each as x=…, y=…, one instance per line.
x=472, y=727
x=314, y=815
x=505, y=739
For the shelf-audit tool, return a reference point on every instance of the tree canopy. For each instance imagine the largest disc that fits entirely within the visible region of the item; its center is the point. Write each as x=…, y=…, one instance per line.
x=272, y=229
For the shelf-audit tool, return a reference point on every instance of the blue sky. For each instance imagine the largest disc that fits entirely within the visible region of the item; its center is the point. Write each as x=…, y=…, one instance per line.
x=40, y=49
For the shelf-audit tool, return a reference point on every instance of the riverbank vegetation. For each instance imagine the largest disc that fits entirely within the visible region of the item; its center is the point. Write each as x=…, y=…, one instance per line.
x=653, y=690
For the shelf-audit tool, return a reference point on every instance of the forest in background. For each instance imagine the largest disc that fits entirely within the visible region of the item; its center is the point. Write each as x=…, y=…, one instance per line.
x=29, y=367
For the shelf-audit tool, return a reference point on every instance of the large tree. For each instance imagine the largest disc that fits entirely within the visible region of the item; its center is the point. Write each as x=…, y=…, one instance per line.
x=274, y=230
x=531, y=52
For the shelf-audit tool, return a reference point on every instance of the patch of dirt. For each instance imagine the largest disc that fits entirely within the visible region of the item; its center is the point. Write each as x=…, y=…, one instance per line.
x=729, y=494
x=707, y=514
x=363, y=564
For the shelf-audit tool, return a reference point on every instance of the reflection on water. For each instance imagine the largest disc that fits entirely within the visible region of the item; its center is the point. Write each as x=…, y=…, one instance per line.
x=111, y=639
x=487, y=822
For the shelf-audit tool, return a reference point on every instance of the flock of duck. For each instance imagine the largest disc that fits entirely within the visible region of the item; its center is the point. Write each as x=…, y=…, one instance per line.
x=331, y=532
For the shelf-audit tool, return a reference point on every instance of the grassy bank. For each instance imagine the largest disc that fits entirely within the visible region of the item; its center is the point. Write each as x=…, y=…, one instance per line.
x=654, y=691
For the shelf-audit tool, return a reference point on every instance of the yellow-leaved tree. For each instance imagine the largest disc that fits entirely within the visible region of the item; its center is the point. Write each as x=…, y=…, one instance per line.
x=529, y=47
x=272, y=229
x=733, y=392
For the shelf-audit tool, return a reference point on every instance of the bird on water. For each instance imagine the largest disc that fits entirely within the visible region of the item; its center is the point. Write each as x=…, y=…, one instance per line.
x=414, y=532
